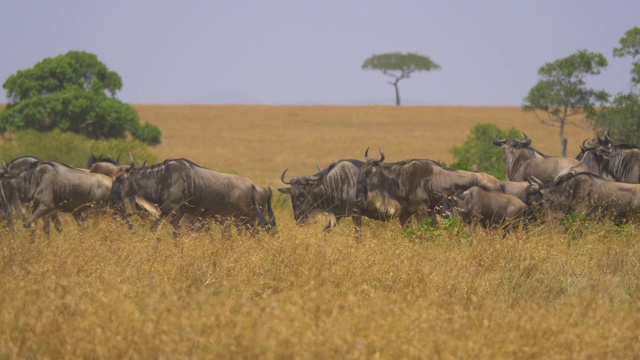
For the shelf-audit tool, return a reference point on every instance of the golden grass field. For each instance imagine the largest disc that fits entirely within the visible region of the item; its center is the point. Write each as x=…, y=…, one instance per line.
x=106, y=292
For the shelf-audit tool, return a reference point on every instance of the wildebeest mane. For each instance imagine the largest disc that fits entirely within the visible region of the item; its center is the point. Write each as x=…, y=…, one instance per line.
x=324, y=172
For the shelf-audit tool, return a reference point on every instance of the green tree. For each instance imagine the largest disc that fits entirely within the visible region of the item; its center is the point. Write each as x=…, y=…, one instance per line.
x=478, y=152
x=74, y=92
x=562, y=91
x=622, y=115
x=399, y=66
x=630, y=46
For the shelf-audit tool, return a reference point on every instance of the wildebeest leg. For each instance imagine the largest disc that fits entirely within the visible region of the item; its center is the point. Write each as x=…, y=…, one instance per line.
x=404, y=217
x=40, y=211
x=226, y=227
x=81, y=217
x=333, y=221
x=357, y=221
x=46, y=226
x=156, y=222
x=175, y=222
x=56, y=221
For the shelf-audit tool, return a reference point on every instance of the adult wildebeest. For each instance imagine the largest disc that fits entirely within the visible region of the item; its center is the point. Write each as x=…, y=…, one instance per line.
x=413, y=187
x=591, y=194
x=331, y=191
x=489, y=208
x=523, y=161
x=11, y=202
x=52, y=186
x=179, y=186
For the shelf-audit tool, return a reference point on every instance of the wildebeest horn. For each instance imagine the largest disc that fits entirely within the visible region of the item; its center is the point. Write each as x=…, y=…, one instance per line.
x=4, y=165
x=586, y=147
x=370, y=160
x=284, y=181
x=319, y=168
x=133, y=163
x=496, y=141
x=607, y=134
x=526, y=141
x=535, y=180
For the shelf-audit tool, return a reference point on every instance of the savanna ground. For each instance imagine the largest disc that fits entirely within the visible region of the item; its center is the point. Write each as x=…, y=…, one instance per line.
x=559, y=290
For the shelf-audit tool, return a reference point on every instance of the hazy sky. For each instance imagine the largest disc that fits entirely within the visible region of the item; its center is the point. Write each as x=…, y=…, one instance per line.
x=311, y=51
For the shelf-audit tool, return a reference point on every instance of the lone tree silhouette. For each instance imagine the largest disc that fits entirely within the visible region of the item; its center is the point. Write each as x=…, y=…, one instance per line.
x=399, y=66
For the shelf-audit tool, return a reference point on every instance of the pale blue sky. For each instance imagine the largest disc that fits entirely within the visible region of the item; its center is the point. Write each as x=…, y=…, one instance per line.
x=310, y=51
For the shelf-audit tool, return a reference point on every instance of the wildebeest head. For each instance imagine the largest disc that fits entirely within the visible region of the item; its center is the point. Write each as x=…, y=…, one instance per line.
x=376, y=186
x=511, y=146
x=122, y=189
x=300, y=191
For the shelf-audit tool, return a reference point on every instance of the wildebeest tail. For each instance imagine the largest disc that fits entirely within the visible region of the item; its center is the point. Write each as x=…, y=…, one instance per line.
x=272, y=216
x=267, y=225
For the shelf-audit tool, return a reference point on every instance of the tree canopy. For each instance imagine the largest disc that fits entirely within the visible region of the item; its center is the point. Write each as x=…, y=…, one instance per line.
x=72, y=92
x=622, y=115
x=399, y=66
x=562, y=91
x=630, y=46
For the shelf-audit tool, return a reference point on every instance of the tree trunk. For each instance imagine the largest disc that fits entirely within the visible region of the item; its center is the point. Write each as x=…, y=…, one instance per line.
x=563, y=140
x=395, y=85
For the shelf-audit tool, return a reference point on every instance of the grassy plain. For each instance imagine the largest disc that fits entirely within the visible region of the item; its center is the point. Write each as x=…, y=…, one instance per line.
x=555, y=291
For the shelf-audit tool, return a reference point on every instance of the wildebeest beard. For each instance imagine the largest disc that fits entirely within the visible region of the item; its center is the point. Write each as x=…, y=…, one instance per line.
x=383, y=203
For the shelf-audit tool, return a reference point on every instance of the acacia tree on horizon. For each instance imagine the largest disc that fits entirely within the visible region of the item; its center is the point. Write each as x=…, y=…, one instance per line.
x=399, y=66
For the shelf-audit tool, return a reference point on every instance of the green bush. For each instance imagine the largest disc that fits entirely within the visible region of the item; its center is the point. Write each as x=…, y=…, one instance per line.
x=72, y=149
x=478, y=152
x=148, y=133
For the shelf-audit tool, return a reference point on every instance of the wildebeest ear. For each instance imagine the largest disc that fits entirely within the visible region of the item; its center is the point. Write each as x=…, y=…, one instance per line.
x=285, y=190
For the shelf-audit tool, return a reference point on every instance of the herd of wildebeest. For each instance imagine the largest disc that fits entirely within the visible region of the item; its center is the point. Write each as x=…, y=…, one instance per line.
x=602, y=182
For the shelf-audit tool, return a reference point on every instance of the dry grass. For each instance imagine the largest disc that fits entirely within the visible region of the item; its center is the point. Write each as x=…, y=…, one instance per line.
x=109, y=293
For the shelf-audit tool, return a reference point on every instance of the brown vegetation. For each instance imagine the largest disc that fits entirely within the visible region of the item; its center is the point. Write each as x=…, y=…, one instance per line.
x=105, y=292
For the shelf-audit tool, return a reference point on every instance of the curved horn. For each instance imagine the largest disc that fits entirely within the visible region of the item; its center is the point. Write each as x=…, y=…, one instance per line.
x=133, y=163
x=586, y=147
x=381, y=155
x=535, y=180
x=496, y=141
x=284, y=181
x=607, y=135
x=372, y=160
x=526, y=141
x=319, y=168
x=533, y=186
